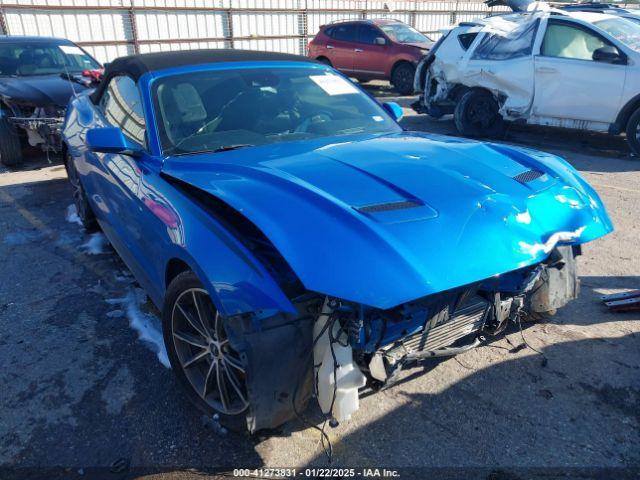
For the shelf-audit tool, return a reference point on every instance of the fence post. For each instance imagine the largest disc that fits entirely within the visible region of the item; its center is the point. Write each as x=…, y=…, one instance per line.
x=303, y=27
x=134, y=27
x=413, y=14
x=3, y=23
x=228, y=27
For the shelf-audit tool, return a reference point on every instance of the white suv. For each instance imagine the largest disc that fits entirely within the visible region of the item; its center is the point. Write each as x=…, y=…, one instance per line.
x=578, y=70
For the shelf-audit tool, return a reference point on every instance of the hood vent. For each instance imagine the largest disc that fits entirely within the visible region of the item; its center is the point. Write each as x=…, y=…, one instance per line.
x=528, y=176
x=387, y=207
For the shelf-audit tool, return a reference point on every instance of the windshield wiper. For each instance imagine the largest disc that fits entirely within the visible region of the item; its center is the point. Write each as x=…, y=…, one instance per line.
x=226, y=148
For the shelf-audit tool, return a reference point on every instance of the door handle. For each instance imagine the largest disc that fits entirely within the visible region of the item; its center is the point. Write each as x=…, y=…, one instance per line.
x=357, y=49
x=330, y=46
x=546, y=70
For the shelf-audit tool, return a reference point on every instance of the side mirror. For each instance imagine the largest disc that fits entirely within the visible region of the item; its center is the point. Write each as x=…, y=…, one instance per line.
x=393, y=109
x=380, y=41
x=111, y=140
x=608, y=54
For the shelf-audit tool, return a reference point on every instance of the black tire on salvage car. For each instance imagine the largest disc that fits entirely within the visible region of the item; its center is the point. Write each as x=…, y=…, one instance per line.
x=477, y=115
x=402, y=78
x=209, y=370
x=10, y=147
x=633, y=132
x=83, y=209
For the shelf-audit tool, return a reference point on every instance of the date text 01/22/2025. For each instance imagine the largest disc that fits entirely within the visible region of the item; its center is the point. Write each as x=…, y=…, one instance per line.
x=316, y=473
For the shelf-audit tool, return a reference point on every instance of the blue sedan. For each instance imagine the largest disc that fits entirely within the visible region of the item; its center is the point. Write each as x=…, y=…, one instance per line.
x=298, y=241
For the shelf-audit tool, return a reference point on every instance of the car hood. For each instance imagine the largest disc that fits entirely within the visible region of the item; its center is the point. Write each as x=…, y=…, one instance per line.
x=382, y=220
x=39, y=90
x=421, y=45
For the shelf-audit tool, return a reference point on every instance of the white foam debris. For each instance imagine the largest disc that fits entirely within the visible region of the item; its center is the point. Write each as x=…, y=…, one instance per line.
x=72, y=215
x=550, y=244
x=145, y=324
x=95, y=245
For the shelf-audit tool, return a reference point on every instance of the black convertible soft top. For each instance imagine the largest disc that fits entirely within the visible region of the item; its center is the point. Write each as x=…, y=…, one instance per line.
x=137, y=65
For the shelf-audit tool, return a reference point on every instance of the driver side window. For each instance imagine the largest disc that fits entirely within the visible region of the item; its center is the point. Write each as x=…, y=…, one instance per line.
x=122, y=107
x=566, y=41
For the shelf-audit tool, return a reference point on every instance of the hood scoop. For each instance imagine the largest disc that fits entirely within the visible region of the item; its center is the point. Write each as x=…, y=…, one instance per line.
x=388, y=206
x=528, y=176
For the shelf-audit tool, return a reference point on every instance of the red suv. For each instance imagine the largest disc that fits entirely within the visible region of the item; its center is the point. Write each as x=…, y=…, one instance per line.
x=372, y=49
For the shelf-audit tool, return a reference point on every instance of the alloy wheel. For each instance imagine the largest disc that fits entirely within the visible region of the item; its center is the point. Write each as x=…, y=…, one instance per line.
x=210, y=364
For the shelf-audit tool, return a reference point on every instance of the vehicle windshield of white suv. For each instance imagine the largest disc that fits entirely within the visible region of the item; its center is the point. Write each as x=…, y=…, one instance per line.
x=28, y=59
x=402, y=33
x=624, y=30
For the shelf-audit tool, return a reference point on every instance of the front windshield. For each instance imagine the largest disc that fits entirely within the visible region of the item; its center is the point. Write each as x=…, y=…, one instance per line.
x=225, y=109
x=624, y=30
x=402, y=33
x=27, y=59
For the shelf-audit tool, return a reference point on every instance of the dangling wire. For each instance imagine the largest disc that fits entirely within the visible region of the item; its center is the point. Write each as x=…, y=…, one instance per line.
x=324, y=438
x=545, y=360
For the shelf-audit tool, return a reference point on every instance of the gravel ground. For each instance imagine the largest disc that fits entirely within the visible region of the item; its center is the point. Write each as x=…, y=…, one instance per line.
x=80, y=391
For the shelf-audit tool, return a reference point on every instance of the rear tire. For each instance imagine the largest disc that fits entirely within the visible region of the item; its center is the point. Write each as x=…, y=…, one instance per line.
x=633, y=132
x=10, y=148
x=402, y=78
x=83, y=209
x=200, y=353
x=325, y=61
x=477, y=115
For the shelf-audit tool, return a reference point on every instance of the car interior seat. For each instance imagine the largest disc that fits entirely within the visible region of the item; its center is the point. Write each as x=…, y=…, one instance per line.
x=26, y=63
x=182, y=110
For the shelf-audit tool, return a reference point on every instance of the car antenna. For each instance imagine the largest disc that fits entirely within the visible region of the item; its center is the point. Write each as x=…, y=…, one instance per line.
x=70, y=79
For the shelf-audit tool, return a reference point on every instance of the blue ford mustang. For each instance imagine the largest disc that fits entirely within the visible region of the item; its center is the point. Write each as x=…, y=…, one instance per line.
x=297, y=239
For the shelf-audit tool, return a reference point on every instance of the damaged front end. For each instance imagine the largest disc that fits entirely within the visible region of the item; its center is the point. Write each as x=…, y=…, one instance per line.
x=332, y=348
x=42, y=125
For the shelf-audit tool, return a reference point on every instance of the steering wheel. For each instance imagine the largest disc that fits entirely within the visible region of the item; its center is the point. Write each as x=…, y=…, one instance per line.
x=321, y=116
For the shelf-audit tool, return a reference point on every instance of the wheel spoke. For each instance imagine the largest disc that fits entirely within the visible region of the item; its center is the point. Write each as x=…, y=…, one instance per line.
x=200, y=317
x=233, y=362
x=197, y=357
x=190, y=339
x=222, y=387
x=217, y=328
x=234, y=383
x=205, y=386
x=191, y=321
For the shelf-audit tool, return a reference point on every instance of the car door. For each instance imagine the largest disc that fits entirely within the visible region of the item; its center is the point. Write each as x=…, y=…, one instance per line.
x=569, y=83
x=340, y=47
x=370, y=59
x=118, y=176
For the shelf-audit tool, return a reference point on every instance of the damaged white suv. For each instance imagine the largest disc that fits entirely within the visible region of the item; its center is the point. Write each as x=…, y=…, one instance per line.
x=578, y=70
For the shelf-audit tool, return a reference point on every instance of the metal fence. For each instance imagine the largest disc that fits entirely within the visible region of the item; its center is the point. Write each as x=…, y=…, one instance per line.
x=112, y=28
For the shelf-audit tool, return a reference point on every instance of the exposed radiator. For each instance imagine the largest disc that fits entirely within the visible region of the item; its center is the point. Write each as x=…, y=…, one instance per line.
x=443, y=329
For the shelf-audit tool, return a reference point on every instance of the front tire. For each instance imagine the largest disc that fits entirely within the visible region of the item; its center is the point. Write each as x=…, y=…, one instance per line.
x=83, y=209
x=10, y=148
x=402, y=78
x=211, y=372
x=477, y=115
x=633, y=132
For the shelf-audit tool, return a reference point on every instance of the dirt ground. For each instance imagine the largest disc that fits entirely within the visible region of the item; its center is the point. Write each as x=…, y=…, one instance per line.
x=83, y=396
